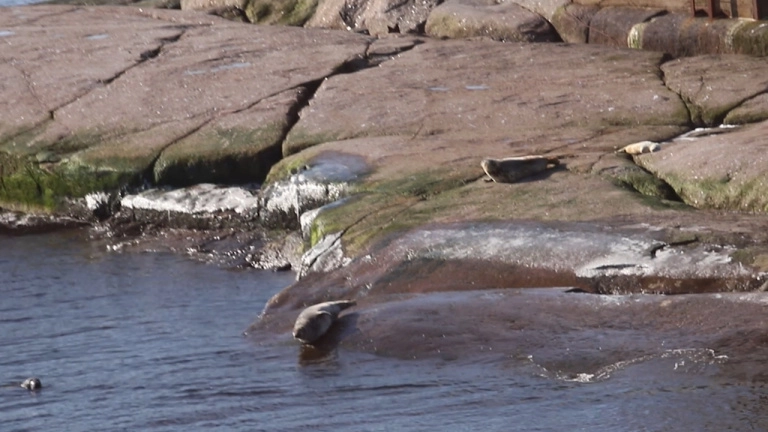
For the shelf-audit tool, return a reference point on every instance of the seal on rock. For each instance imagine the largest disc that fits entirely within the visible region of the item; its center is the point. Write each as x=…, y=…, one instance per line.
x=640, y=148
x=314, y=321
x=32, y=384
x=512, y=169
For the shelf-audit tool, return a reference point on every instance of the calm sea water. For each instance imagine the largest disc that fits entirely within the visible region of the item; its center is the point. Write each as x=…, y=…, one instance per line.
x=153, y=342
x=18, y=2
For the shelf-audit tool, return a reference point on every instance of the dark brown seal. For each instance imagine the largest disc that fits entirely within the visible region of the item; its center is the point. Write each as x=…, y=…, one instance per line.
x=32, y=384
x=510, y=170
x=314, y=321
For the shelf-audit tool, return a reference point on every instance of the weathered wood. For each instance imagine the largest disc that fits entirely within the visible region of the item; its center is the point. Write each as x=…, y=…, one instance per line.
x=757, y=9
x=728, y=8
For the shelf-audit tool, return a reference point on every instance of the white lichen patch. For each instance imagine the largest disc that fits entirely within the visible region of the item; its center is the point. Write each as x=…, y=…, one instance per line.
x=299, y=194
x=588, y=253
x=96, y=200
x=202, y=198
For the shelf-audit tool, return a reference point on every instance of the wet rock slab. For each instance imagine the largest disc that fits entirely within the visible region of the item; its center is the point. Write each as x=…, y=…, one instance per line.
x=607, y=258
x=559, y=334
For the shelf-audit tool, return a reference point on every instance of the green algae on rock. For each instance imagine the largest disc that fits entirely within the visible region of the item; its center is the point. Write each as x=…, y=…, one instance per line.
x=218, y=154
x=28, y=182
x=727, y=170
x=283, y=12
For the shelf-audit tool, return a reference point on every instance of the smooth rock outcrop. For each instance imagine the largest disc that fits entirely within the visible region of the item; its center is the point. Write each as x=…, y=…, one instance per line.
x=705, y=173
x=613, y=25
x=681, y=35
x=501, y=21
x=511, y=100
x=191, y=95
x=376, y=17
x=714, y=85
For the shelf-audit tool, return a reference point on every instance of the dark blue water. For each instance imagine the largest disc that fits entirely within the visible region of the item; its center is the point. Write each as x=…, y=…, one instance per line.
x=152, y=342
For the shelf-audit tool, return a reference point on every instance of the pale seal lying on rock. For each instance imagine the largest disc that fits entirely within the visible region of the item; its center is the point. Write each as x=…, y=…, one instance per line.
x=640, y=148
x=510, y=170
x=32, y=383
x=315, y=320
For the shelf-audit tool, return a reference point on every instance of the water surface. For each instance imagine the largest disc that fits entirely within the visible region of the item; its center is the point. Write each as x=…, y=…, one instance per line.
x=152, y=342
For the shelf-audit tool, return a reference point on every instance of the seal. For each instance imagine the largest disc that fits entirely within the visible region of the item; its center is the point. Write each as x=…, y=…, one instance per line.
x=640, y=148
x=32, y=383
x=314, y=321
x=510, y=170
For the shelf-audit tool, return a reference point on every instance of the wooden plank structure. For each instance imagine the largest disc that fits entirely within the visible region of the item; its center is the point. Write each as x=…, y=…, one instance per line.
x=756, y=9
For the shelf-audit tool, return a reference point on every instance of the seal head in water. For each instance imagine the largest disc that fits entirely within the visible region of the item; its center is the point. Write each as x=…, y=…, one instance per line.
x=32, y=384
x=314, y=321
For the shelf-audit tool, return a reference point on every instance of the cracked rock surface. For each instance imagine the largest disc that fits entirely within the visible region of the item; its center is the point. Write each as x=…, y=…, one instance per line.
x=192, y=96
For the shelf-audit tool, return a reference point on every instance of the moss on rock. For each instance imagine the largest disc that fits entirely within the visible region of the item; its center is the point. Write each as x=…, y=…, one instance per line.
x=25, y=181
x=750, y=37
x=383, y=207
x=299, y=139
x=283, y=12
x=646, y=184
x=722, y=193
x=221, y=155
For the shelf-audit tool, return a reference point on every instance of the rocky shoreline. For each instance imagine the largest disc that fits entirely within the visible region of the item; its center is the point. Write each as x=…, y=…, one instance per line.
x=356, y=161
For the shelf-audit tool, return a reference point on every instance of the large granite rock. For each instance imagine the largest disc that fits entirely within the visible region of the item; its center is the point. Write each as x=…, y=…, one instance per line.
x=706, y=173
x=190, y=95
x=681, y=35
x=505, y=21
x=515, y=98
x=613, y=25
x=376, y=17
x=715, y=85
